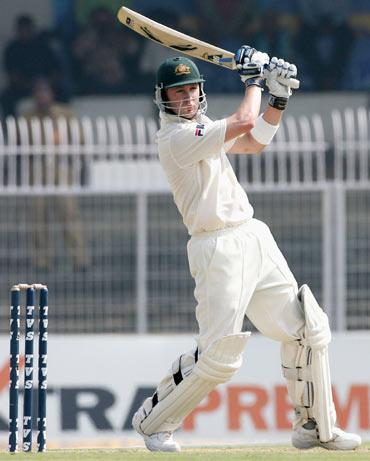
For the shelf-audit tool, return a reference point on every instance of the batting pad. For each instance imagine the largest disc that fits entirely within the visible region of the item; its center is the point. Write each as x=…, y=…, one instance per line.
x=306, y=367
x=217, y=364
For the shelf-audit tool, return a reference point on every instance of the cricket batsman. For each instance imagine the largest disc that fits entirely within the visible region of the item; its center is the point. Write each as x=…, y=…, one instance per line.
x=236, y=264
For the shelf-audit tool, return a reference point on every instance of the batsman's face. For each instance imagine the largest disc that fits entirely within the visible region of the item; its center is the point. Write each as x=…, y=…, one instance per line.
x=184, y=100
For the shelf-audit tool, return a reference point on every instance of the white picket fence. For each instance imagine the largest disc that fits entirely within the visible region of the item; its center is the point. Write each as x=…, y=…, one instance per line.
x=121, y=148
x=351, y=145
x=314, y=194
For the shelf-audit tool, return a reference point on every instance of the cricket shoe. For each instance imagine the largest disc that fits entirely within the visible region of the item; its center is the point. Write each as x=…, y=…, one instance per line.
x=160, y=441
x=305, y=438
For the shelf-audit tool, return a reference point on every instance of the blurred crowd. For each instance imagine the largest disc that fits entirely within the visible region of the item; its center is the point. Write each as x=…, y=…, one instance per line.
x=88, y=52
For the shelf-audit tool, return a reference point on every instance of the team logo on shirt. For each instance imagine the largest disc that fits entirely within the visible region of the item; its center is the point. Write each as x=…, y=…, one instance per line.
x=199, y=129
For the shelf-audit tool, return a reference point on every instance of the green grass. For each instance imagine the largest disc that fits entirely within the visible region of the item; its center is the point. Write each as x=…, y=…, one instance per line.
x=195, y=454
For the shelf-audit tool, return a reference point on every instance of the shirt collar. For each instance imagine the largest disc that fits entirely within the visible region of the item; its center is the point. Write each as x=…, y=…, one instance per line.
x=171, y=118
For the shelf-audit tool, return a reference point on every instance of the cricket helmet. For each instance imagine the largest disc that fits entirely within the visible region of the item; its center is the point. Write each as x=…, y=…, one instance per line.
x=178, y=71
x=174, y=72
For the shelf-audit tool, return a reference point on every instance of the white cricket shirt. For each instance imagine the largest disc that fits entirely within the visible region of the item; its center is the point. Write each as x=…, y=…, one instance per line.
x=203, y=183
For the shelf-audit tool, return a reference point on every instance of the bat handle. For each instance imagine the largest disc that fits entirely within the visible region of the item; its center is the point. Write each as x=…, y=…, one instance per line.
x=292, y=82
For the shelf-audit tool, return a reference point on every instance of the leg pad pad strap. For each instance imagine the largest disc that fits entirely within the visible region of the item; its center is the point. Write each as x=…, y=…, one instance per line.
x=217, y=364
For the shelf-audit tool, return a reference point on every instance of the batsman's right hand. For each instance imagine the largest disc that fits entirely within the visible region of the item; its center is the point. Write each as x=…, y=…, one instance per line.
x=250, y=65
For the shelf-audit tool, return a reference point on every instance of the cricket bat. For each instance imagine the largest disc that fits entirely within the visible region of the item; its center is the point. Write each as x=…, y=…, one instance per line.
x=178, y=41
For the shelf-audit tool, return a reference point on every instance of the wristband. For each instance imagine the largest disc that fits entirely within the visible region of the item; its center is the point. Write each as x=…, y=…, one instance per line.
x=254, y=81
x=263, y=132
x=278, y=102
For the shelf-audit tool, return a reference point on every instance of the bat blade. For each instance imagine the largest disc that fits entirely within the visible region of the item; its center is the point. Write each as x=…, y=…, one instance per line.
x=178, y=41
x=175, y=40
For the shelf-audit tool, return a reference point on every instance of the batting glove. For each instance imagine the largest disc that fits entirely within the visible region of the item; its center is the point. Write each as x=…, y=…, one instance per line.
x=250, y=65
x=279, y=93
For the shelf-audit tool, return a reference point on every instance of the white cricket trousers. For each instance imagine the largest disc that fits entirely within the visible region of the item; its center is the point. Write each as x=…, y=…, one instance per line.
x=240, y=271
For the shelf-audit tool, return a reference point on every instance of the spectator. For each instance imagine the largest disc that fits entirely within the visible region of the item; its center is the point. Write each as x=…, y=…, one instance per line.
x=271, y=37
x=83, y=9
x=313, y=11
x=105, y=55
x=359, y=63
x=63, y=88
x=324, y=42
x=62, y=173
x=25, y=58
x=226, y=20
